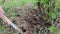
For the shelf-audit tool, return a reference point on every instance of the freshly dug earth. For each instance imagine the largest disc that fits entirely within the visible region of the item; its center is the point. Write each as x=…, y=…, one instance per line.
x=16, y=15
x=26, y=18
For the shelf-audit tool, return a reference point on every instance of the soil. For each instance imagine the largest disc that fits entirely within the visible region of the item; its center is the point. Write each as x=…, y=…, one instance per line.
x=17, y=17
x=27, y=19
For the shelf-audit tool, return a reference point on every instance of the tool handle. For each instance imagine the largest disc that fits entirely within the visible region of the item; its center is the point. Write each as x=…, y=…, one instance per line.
x=5, y=19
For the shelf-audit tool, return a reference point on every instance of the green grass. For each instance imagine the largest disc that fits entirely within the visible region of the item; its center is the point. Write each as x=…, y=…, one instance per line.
x=15, y=3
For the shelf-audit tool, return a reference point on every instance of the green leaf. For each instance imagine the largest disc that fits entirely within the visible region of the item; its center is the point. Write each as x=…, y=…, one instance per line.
x=46, y=5
x=45, y=32
x=43, y=1
x=0, y=32
x=1, y=28
x=0, y=2
x=57, y=32
x=52, y=28
x=52, y=15
x=58, y=4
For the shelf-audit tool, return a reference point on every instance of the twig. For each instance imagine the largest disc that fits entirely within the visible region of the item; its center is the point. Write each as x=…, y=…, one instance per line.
x=55, y=22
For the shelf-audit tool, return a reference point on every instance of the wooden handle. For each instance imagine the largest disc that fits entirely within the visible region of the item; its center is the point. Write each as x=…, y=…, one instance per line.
x=5, y=19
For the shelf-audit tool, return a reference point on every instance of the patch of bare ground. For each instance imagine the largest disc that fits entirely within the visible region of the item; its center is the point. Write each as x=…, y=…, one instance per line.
x=26, y=18
x=16, y=15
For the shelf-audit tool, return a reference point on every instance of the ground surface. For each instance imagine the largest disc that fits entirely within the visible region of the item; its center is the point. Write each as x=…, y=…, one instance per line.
x=17, y=18
x=27, y=19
